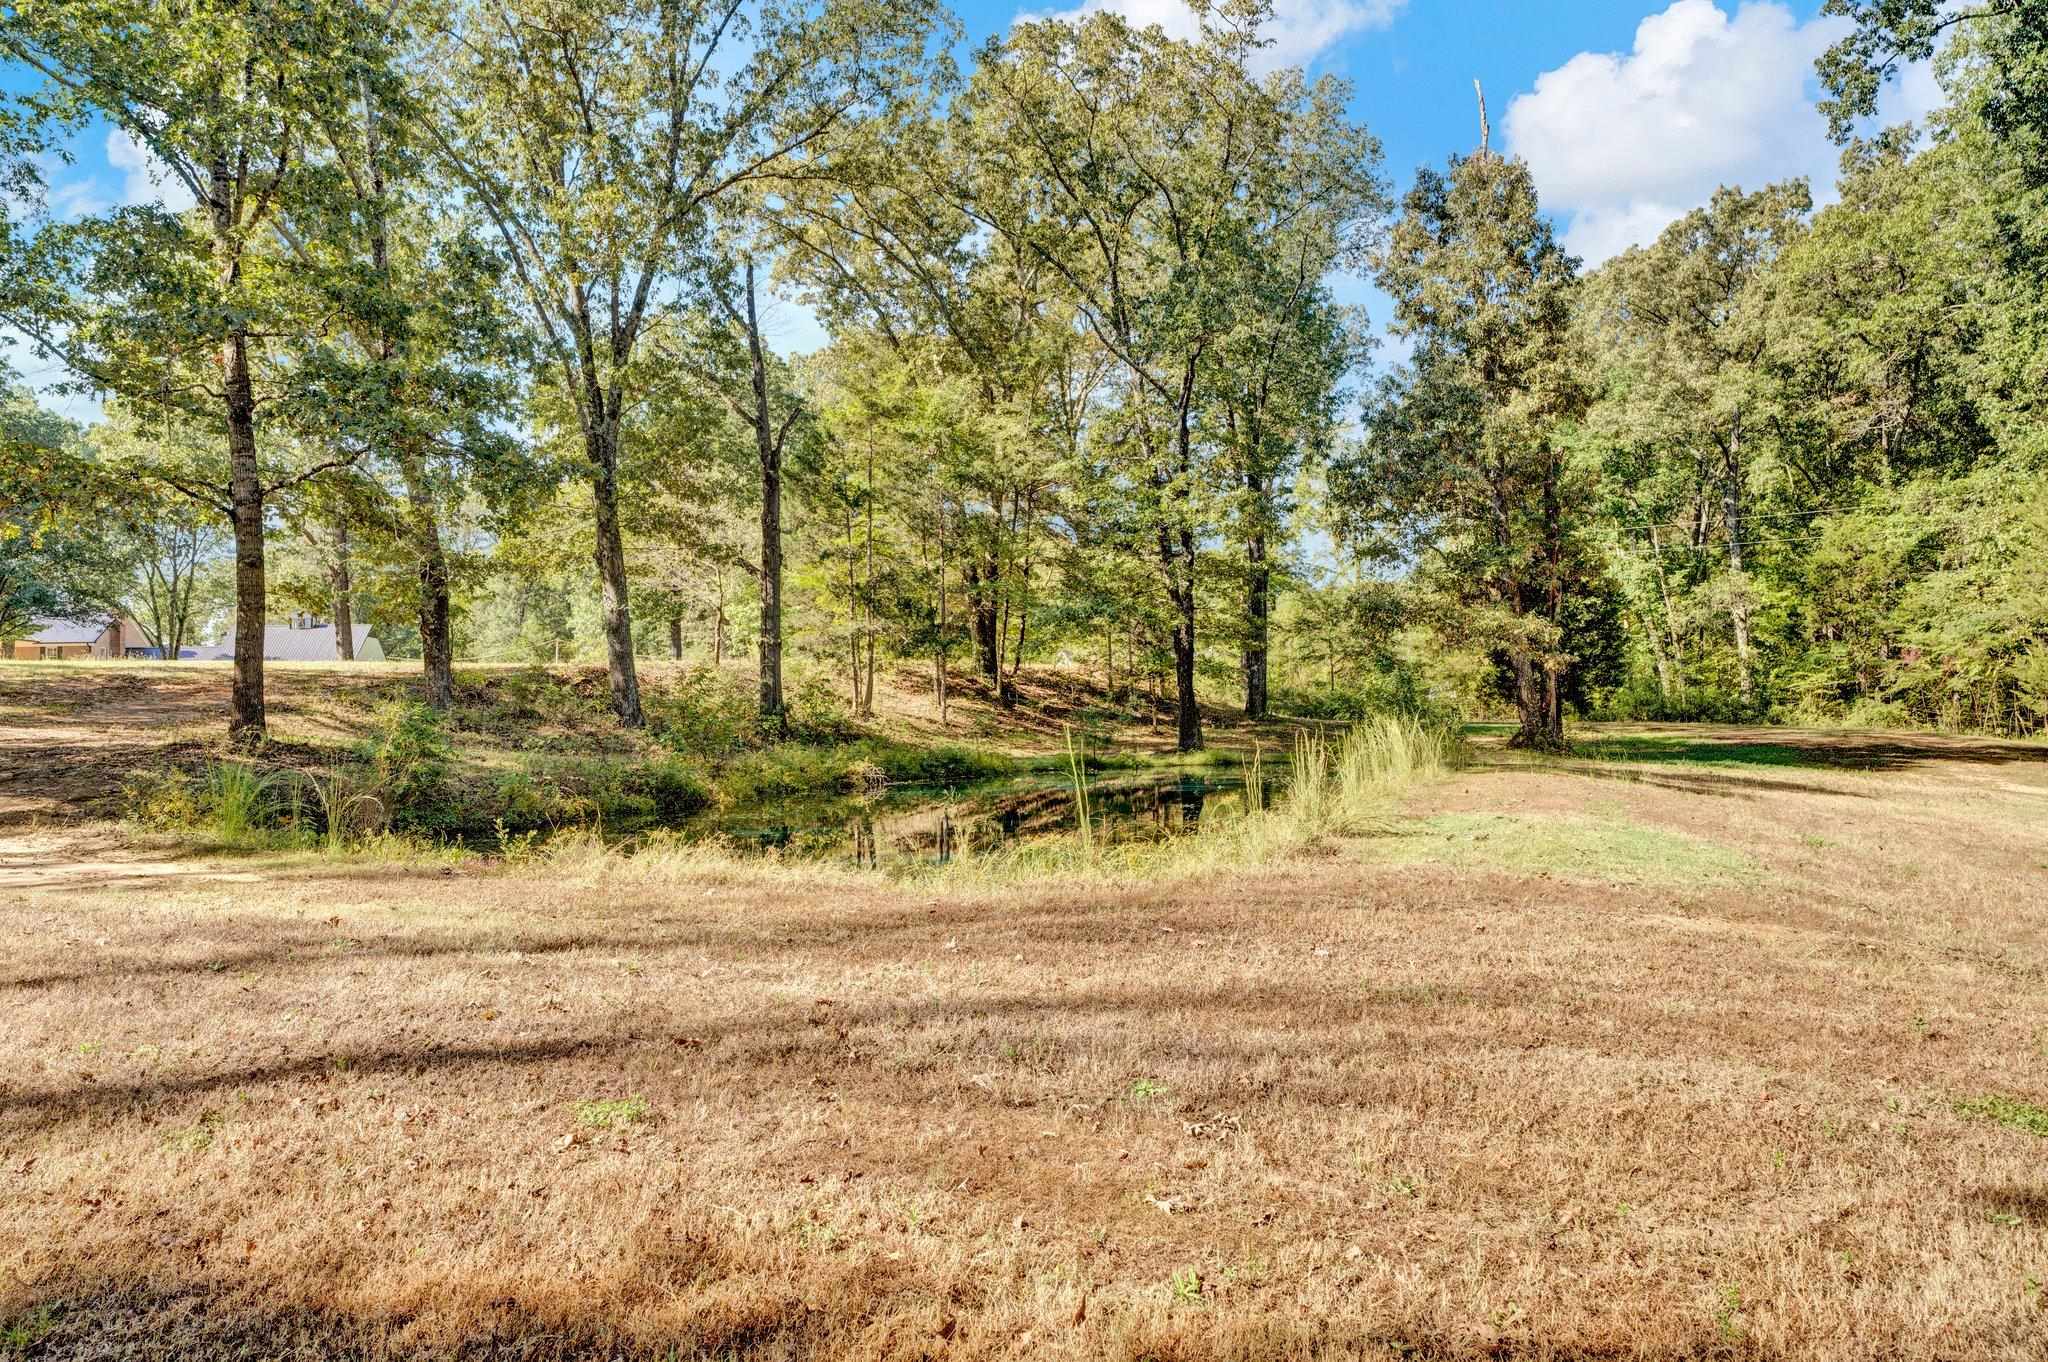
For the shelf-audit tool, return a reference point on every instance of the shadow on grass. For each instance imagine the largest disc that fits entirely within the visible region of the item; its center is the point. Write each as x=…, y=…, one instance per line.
x=2012, y=1204
x=765, y=1039
x=1810, y=749
x=174, y=1323
x=838, y=1316
x=1735, y=782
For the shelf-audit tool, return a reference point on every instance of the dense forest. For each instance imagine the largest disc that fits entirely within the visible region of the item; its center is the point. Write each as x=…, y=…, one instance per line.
x=465, y=332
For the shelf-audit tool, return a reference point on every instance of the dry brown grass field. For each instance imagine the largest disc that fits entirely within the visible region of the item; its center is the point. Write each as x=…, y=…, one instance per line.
x=1701, y=1044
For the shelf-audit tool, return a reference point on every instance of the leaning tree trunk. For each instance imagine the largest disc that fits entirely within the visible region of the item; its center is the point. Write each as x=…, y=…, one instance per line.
x=344, y=609
x=245, y=496
x=610, y=553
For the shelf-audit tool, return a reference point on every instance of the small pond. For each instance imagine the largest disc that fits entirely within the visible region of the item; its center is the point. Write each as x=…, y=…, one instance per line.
x=911, y=823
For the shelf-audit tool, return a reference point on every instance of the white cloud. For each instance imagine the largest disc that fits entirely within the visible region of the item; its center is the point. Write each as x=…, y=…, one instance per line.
x=1300, y=30
x=1626, y=142
x=144, y=179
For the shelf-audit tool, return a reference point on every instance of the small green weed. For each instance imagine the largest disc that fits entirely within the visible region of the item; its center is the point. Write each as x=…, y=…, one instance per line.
x=610, y=1113
x=1145, y=1089
x=2008, y=1111
x=816, y=1234
x=197, y=1136
x=24, y=1331
x=1187, y=1285
x=1728, y=1314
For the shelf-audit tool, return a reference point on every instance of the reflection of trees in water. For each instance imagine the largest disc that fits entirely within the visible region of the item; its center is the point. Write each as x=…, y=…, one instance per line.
x=1126, y=810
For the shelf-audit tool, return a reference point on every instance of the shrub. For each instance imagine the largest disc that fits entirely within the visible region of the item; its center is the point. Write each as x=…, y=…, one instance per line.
x=704, y=713
x=161, y=800
x=816, y=712
x=1398, y=689
x=946, y=764
x=411, y=757
x=677, y=789
x=1873, y=713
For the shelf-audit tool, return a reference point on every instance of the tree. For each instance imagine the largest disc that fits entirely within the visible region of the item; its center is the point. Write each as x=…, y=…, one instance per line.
x=192, y=310
x=40, y=500
x=1141, y=171
x=442, y=352
x=1280, y=386
x=598, y=134
x=1467, y=453
x=2010, y=36
x=729, y=361
x=154, y=551
x=1689, y=319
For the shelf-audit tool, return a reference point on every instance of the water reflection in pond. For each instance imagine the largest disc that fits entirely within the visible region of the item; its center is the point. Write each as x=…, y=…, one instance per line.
x=927, y=824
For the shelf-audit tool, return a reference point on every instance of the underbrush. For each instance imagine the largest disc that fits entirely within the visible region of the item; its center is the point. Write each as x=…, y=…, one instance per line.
x=408, y=777
x=1335, y=789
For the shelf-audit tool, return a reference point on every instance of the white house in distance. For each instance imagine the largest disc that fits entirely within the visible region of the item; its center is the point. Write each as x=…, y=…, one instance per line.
x=303, y=638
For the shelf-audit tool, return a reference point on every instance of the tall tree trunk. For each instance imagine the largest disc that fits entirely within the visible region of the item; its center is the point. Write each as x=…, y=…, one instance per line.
x=610, y=555
x=718, y=625
x=853, y=618
x=675, y=638
x=1187, y=711
x=939, y=659
x=1109, y=661
x=1675, y=645
x=867, y=710
x=1738, y=593
x=423, y=523
x=984, y=619
x=245, y=496
x=338, y=578
x=1257, y=615
x=1531, y=706
x=437, y=639
x=768, y=451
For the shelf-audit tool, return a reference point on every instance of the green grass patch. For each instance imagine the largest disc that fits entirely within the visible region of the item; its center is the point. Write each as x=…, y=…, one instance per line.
x=1698, y=752
x=611, y=1112
x=1610, y=850
x=26, y=1330
x=2007, y=1111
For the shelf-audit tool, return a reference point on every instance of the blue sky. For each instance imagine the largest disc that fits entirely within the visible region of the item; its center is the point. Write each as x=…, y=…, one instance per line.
x=1628, y=112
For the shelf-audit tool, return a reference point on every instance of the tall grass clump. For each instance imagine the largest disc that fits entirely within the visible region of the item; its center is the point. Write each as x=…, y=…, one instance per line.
x=239, y=798
x=1084, y=822
x=1308, y=782
x=1386, y=754
x=345, y=809
x=1336, y=787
